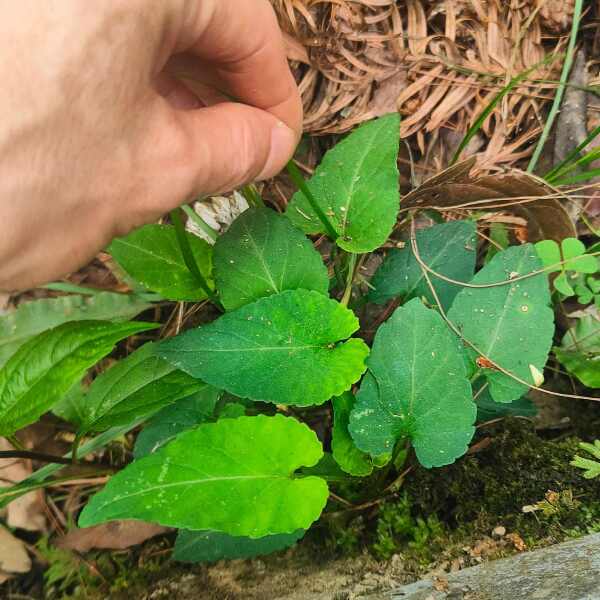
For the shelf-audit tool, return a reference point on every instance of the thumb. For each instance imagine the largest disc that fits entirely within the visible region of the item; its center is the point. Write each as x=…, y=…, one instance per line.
x=232, y=144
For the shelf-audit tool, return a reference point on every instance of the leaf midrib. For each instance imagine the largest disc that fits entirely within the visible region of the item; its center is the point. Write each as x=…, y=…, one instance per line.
x=161, y=257
x=357, y=169
x=204, y=480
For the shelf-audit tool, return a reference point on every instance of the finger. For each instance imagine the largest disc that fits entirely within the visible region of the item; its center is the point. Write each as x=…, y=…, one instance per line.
x=241, y=43
x=233, y=144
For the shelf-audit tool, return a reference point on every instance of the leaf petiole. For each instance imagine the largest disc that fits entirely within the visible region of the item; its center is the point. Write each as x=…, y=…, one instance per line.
x=298, y=180
x=188, y=256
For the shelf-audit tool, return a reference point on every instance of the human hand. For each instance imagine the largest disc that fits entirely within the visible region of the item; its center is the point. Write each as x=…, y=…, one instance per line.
x=98, y=134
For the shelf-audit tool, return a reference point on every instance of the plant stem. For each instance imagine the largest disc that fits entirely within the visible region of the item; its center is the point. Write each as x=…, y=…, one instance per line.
x=15, y=443
x=349, y=280
x=41, y=457
x=300, y=183
x=570, y=55
x=200, y=222
x=188, y=256
x=253, y=198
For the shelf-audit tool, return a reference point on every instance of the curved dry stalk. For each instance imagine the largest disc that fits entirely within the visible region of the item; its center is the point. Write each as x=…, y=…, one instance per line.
x=454, y=328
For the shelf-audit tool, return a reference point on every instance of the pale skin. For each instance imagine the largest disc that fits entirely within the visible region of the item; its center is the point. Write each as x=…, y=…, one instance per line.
x=98, y=134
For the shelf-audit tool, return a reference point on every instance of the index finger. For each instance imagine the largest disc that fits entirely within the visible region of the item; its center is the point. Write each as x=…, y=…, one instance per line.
x=241, y=43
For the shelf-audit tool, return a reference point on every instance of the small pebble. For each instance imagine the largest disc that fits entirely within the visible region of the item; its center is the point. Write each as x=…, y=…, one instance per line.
x=499, y=531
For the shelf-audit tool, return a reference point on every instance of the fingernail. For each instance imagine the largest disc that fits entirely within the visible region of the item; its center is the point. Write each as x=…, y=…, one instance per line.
x=283, y=145
x=181, y=98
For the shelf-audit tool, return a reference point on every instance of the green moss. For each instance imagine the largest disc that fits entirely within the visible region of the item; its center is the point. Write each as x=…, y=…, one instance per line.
x=516, y=469
x=397, y=529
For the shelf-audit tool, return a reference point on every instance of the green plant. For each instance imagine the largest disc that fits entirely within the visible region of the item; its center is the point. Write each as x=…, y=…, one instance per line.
x=575, y=266
x=226, y=455
x=579, y=352
x=396, y=526
x=591, y=467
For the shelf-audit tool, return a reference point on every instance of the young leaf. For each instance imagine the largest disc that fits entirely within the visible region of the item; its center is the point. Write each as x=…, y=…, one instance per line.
x=166, y=425
x=45, y=368
x=262, y=254
x=449, y=249
x=152, y=256
x=356, y=186
x=133, y=389
x=511, y=324
x=285, y=349
x=235, y=476
x=35, y=317
x=345, y=453
x=417, y=388
x=211, y=546
x=572, y=252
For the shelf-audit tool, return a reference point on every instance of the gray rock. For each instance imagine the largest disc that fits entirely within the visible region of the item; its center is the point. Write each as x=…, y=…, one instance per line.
x=568, y=571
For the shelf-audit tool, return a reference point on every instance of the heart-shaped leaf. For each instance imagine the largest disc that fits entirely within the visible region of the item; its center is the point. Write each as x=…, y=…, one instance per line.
x=512, y=323
x=151, y=255
x=45, y=368
x=285, y=349
x=262, y=254
x=211, y=546
x=133, y=389
x=35, y=317
x=449, y=249
x=345, y=453
x=166, y=425
x=417, y=388
x=357, y=188
x=235, y=476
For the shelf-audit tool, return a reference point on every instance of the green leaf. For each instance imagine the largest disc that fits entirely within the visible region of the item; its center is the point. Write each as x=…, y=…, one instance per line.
x=235, y=476
x=134, y=388
x=549, y=253
x=591, y=467
x=487, y=409
x=167, y=424
x=327, y=468
x=45, y=368
x=211, y=546
x=562, y=285
x=417, y=388
x=152, y=256
x=449, y=249
x=35, y=317
x=574, y=252
x=580, y=351
x=498, y=235
x=285, y=349
x=357, y=188
x=71, y=407
x=512, y=324
x=345, y=453
x=262, y=254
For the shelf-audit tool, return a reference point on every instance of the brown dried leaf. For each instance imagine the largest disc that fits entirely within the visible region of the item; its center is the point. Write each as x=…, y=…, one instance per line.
x=517, y=542
x=116, y=535
x=512, y=191
x=14, y=559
